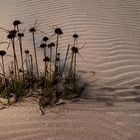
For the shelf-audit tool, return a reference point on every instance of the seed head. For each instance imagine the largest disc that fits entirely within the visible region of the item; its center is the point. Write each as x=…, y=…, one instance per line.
x=16, y=22
x=45, y=39
x=57, y=59
x=46, y=59
x=20, y=35
x=74, y=49
x=52, y=44
x=32, y=30
x=12, y=34
x=75, y=36
x=58, y=31
x=27, y=51
x=2, y=53
x=43, y=45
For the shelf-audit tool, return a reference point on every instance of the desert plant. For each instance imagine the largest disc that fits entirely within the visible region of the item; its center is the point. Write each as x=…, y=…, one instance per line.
x=50, y=45
x=58, y=32
x=32, y=31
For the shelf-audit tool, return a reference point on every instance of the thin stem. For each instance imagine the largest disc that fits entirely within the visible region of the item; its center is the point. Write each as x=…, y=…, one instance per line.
x=21, y=53
x=37, y=74
x=50, y=61
x=56, y=53
x=71, y=65
x=44, y=49
x=66, y=57
x=3, y=67
x=74, y=67
x=15, y=59
x=31, y=66
x=4, y=75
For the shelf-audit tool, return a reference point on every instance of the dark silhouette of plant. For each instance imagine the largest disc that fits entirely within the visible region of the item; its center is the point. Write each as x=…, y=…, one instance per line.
x=66, y=57
x=11, y=36
x=55, y=85
x=32, y=31
x=58, y=32
x=16, y=24
x=50, y=45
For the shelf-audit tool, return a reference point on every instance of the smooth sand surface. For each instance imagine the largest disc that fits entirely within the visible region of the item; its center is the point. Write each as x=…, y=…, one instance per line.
x=110, y=63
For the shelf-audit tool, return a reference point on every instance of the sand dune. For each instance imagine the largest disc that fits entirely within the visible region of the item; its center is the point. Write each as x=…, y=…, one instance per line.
x=111, y=30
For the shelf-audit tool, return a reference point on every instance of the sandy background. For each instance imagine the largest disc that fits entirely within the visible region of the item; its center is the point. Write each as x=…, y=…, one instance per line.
x=111, y=31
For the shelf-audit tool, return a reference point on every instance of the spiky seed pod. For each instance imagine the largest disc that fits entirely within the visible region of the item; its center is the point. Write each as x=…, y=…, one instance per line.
x=27, y=51
x=46, y=59
x=74, y=49
x=20, y=35
x=16, y=22
x=45, y=39
x=43, y=45
x=32, y=30
x=75, y=36
x=58, y=31
x=2, y=53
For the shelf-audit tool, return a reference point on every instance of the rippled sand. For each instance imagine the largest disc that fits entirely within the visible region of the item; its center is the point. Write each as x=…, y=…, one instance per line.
x=111, y=30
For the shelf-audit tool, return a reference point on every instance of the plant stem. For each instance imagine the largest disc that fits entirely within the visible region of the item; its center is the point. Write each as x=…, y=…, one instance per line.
x=65, y=61
x=56, y=53
x=37, y=74
x=15, y=60
x=74, y=69
x=50, y=62
x=71, y=65
x=21, y=53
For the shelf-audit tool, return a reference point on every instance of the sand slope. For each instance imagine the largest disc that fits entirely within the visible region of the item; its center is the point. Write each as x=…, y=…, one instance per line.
x=86, y=120
x=111, y=30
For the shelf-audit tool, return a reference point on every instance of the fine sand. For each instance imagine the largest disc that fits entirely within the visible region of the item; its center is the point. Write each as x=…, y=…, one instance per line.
x=110, y=63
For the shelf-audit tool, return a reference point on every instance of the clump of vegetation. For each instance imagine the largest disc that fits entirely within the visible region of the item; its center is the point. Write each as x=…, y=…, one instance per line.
x=55, y=82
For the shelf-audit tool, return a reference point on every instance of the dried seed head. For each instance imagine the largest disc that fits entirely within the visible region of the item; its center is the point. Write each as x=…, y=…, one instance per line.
x=74, y=49
x=12, y=72
x=16, y=22
x=45, y=39
x=12, y=34
x=46, y=59
x=52, y=44
x=43, y=45
x=32, y=30
x=20, y=35
x=2, y=53
x=75, y=36
x=57, y=59
x=58, y=31
x=27, y=51
x=21, y=70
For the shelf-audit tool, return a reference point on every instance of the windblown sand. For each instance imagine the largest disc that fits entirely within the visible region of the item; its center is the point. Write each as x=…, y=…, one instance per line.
x=110, y=63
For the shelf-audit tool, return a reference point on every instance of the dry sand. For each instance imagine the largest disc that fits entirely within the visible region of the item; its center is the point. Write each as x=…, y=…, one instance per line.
x=111, y=31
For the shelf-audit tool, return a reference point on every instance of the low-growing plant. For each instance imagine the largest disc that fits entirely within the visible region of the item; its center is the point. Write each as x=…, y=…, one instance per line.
x=51, y=84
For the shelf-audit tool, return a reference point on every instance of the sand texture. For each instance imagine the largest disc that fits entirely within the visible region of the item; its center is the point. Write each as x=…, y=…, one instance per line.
x=109, y=62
